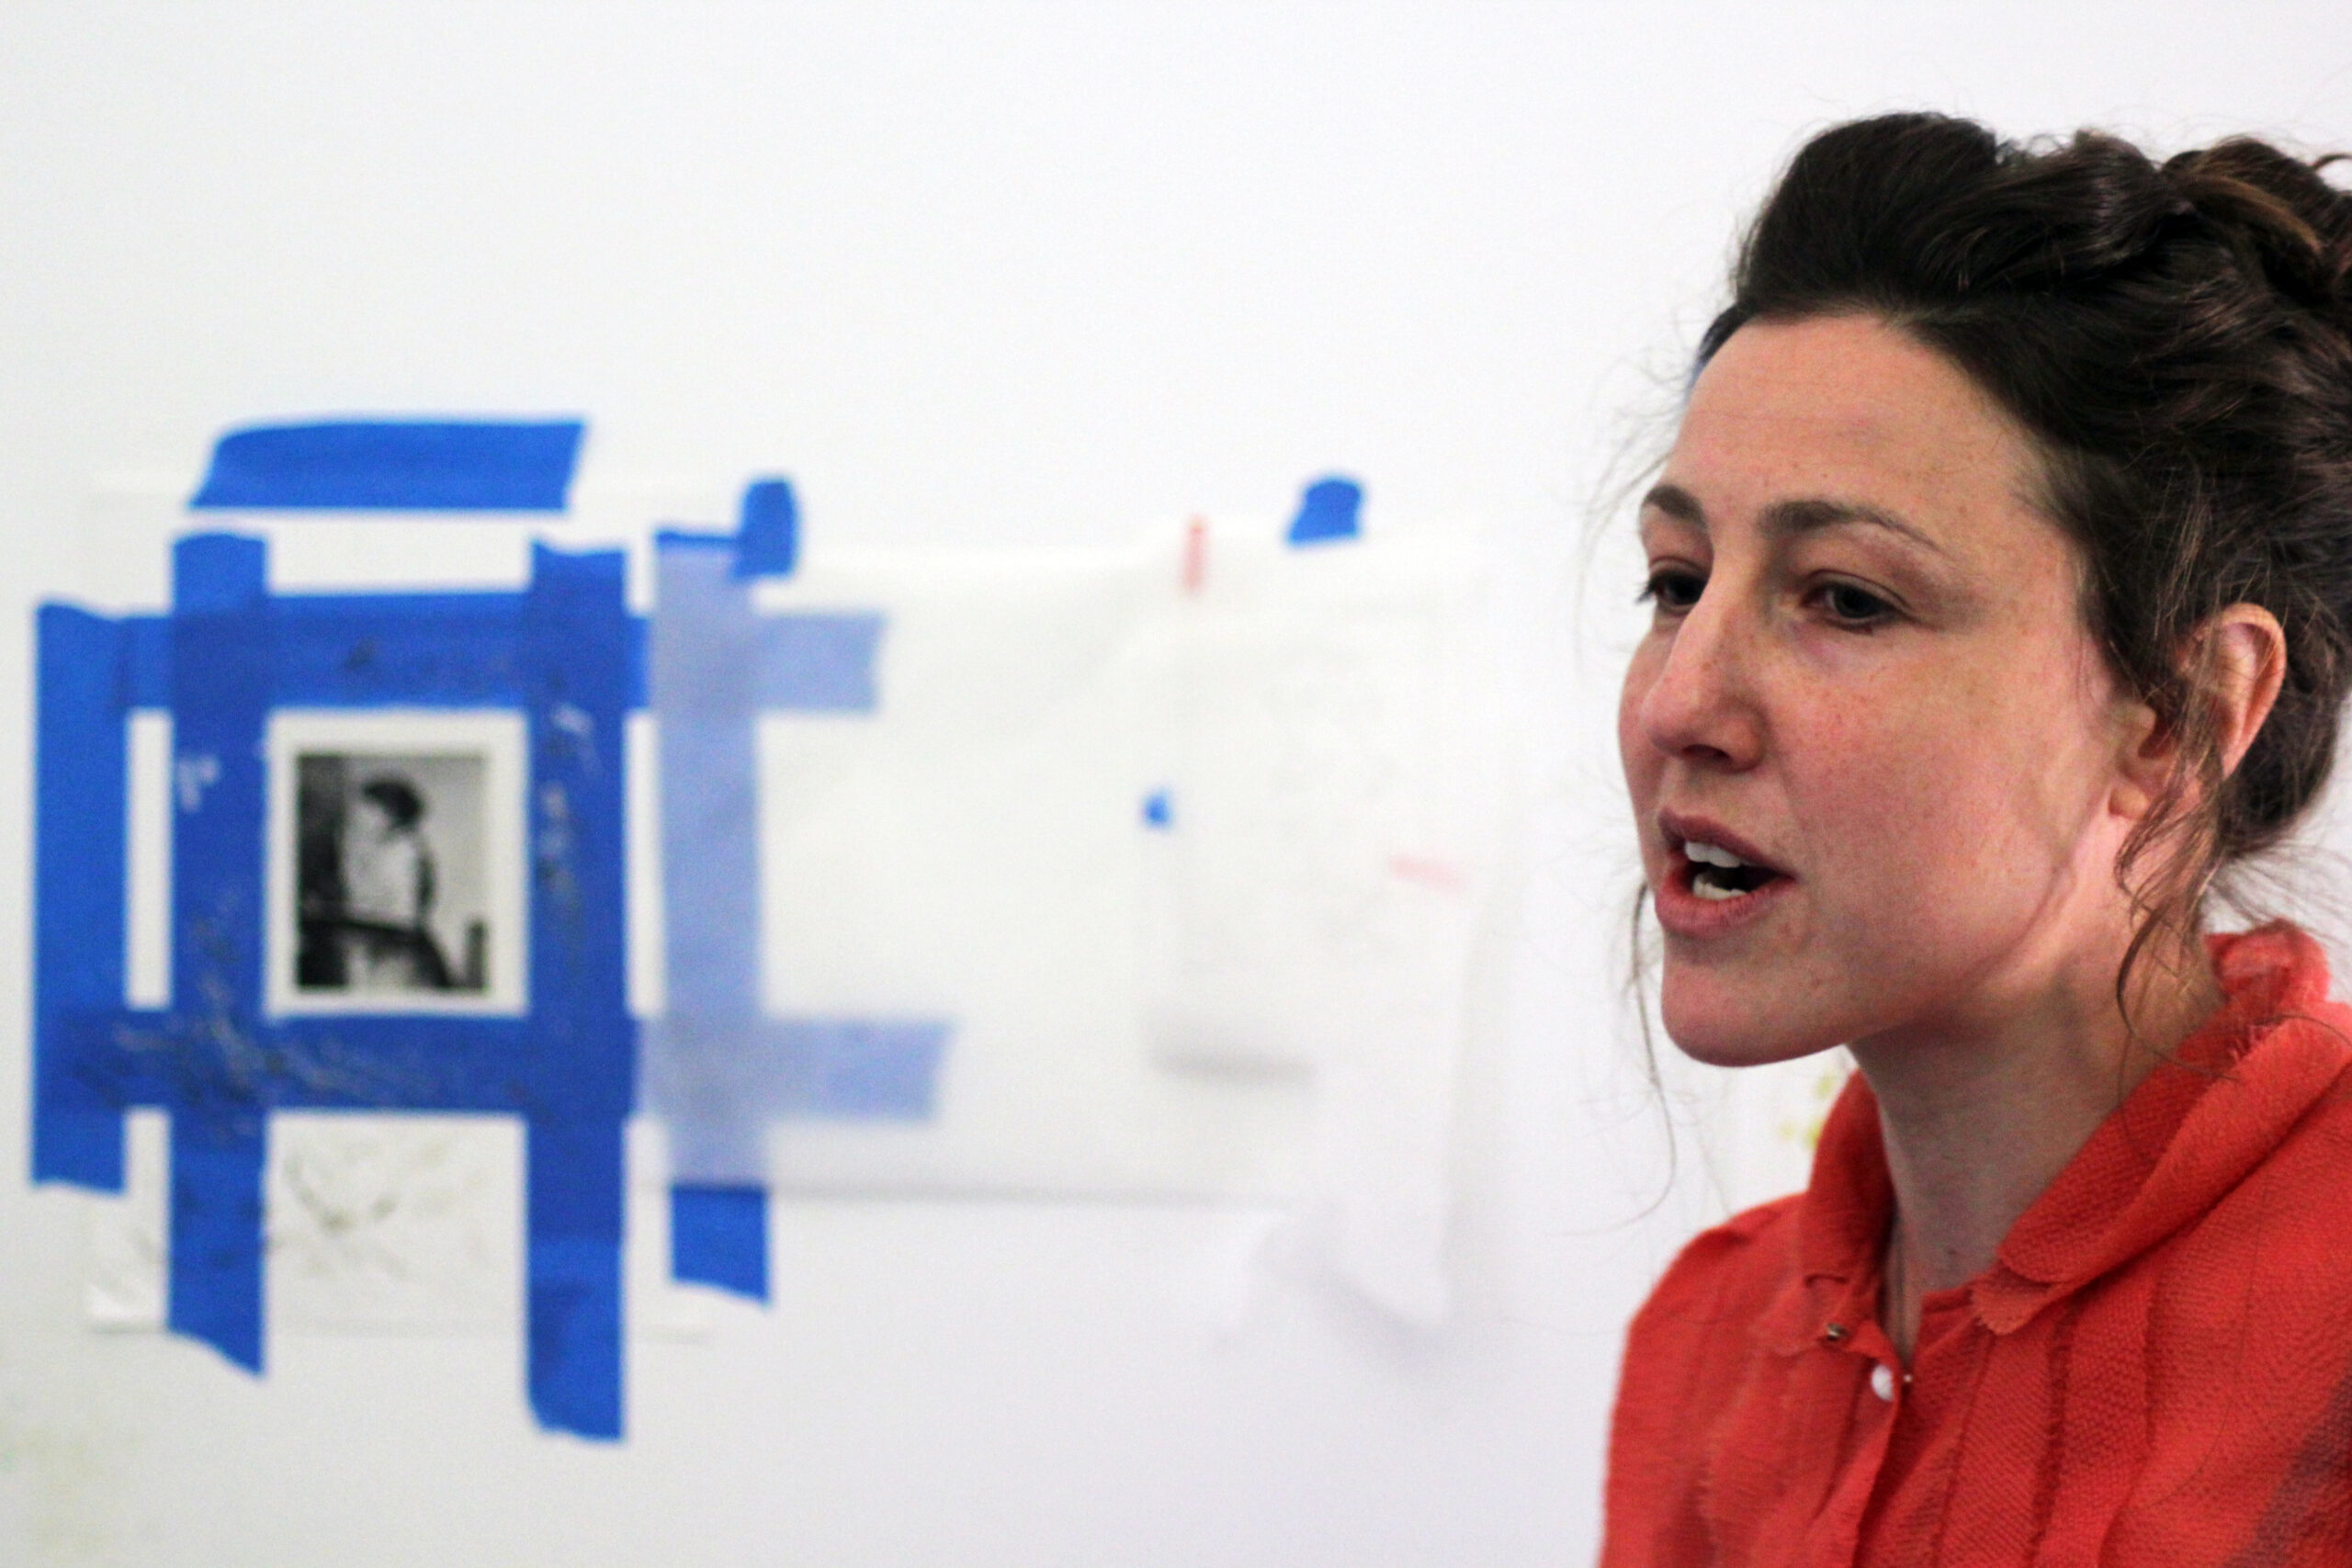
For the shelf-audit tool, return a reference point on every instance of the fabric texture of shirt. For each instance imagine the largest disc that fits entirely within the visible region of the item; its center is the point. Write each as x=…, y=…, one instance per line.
x=2156, y=1371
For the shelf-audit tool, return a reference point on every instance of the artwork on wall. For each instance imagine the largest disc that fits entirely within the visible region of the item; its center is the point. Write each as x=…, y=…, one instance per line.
x=1152, y=872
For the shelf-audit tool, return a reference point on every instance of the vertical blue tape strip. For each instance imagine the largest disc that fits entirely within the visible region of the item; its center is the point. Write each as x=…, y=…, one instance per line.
x=398, y=466
x=216, y=1284
x=78, y=857
x=767, y=538
x=719, y=1236
x=1330, y=512
x=574, y=651
x=573, y=1170
x=222, y=655
x=705, y=669
x=147, y=660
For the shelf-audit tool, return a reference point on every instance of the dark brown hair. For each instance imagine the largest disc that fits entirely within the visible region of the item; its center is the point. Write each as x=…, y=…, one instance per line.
x=2177, y=338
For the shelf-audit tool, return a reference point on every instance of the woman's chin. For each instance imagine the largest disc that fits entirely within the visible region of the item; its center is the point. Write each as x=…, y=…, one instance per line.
x=1718, y=1025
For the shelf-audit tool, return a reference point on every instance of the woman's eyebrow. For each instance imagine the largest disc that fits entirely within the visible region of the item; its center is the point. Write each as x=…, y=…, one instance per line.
x=1677, y=503
x=1785, y=518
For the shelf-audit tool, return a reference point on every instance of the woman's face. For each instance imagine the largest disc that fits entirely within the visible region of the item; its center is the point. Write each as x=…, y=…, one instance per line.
x=1868, y=679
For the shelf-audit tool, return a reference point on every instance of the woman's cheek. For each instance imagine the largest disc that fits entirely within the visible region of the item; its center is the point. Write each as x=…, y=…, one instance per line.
x=1885, y=799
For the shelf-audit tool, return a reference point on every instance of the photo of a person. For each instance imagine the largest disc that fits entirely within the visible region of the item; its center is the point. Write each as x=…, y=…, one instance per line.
x=387, y=899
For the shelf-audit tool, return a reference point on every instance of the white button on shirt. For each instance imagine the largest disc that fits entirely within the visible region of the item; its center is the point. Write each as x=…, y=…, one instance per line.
x=1882, y=1382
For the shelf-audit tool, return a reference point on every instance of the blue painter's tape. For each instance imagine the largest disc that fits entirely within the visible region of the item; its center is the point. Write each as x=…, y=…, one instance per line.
x=1159, y=810
x=704, y=649
x=633, y=642
x=1329, y=511
x=218, y=574
x=222, y=643
x=574, y=652
x=719, y=1236
x=78, y=858
x=395, y=466
x=147, y=660
x=717, y=1081
x=216, y=1220
x=818, y=663
x=565, y=654
x=767, y=540
x=872, y=1068
x=574, y=1172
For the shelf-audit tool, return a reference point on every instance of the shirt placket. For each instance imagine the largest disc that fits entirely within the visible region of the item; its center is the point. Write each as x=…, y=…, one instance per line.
x=1858, y=1355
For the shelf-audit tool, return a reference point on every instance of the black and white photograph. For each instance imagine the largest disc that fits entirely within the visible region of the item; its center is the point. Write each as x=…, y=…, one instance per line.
x=390, y=890
x=396, y=862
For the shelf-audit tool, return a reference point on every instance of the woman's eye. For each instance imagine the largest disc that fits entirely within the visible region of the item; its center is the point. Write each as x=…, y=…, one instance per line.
x=1849, y=606
x=1673, y=592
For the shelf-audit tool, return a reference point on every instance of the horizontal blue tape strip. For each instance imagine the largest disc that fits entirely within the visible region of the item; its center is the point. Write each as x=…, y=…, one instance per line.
x=340, y=1062
x=377, y=649
x=819, y=662
x=395, y=466
x=853, y=1068
x=719, y=1236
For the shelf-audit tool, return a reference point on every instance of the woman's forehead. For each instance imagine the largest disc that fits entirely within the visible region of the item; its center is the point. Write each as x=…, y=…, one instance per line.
x=1851, y=409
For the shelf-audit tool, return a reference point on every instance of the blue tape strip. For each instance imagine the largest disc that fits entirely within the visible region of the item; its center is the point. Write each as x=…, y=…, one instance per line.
x=575, y=649
x=706, y=646
x=147, y=660
x=78, y=858
x=215, y=1292
x=818, y=663
x=395, y=466
x=719, y=1236
x=1329, y=511
x=574, y=1172
x=221, y=647
x=767, y=539
x=564, y=651
x=1159, y=809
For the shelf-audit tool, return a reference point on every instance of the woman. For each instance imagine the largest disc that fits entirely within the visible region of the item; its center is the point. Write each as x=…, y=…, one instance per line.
x=2002, y=587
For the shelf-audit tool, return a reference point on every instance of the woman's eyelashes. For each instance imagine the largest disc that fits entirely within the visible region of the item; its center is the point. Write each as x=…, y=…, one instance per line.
x=1673, y=589
x=1853, y=606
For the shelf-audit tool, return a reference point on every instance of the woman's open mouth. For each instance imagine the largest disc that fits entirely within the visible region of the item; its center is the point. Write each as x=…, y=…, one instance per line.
x=1712, y=887
x=1714, y=873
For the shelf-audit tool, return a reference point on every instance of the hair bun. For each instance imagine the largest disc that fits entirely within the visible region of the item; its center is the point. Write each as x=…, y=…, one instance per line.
x=2279, y=212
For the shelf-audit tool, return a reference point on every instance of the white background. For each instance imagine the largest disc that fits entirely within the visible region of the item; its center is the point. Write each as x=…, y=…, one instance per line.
x=974, y=274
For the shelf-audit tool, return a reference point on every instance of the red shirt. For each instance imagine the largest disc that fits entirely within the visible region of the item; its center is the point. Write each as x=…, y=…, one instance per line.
x=2156, y=1371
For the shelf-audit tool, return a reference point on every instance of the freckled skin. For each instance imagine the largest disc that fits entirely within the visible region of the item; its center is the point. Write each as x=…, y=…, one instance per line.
x=1949, y=783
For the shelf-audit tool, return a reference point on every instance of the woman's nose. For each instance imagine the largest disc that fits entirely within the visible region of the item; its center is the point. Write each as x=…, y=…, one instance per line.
x=1701, y=706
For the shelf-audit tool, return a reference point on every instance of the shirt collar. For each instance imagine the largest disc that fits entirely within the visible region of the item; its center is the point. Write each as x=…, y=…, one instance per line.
x=2188, y=1134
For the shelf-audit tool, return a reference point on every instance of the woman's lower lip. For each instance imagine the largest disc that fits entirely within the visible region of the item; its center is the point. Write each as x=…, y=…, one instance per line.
x=1684, y=914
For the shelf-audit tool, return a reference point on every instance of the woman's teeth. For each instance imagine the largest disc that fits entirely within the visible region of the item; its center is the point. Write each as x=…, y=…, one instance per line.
x=1718, y=874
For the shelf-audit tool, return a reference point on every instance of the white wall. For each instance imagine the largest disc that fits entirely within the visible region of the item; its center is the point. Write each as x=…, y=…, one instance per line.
x=979, y=274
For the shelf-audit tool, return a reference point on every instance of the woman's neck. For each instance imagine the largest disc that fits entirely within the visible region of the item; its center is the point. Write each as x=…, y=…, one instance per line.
x=1979, y=1119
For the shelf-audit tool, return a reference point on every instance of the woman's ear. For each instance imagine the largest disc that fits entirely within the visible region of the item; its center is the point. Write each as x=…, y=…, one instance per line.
x=2238, y=657
x=2243, y=653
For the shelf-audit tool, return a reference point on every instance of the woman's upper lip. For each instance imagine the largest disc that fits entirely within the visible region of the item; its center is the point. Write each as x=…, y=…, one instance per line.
x=1681, y=829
